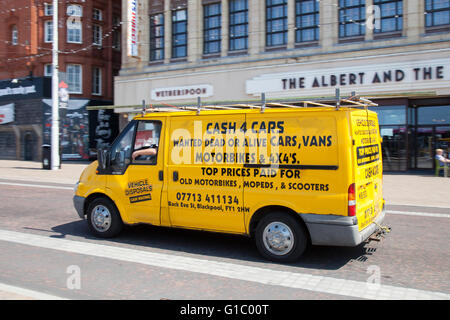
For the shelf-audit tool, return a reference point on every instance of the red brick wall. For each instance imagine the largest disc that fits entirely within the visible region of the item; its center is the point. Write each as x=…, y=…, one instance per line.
x=17, y=61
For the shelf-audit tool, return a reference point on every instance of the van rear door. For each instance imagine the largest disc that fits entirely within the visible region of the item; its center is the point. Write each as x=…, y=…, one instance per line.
x=368, y=184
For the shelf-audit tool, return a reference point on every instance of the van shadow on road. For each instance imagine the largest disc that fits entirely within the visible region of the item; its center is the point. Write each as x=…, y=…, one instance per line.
x=218, y=245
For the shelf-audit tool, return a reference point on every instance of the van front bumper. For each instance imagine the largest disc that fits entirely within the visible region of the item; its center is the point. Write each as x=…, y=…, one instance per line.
x=329, y=230
x=78, y=203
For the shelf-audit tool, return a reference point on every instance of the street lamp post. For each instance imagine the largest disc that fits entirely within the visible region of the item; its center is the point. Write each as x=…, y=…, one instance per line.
x=55, y=159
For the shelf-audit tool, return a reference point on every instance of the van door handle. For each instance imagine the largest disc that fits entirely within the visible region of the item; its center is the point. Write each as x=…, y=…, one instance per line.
x=175, y=176
x=161, y=175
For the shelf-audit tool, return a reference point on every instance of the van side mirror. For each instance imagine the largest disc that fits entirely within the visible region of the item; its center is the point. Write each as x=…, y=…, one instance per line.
x=93, y=154
x=103, y=157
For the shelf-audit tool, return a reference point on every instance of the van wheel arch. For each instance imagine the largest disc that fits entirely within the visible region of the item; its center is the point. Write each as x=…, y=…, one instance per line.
x=94, y=196
x=260, y=213
x=103, y=217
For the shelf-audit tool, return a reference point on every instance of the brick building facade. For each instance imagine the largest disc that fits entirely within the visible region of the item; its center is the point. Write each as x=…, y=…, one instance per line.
x=89, y=58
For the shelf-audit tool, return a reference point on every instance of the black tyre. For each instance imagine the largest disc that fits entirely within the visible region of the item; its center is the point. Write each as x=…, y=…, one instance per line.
x=280, y=237
x=103, y=218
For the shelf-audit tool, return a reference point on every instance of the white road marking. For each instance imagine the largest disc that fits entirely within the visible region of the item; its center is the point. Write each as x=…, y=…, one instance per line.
x=45, y=186
x=26, y=293
x=416, y=205
x=304, y=281
x=420, y=214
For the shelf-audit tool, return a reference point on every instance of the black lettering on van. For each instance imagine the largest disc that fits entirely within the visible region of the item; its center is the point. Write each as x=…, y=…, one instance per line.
x=305, y=140
x=367, y=154
x=317, y=141
x=271, y=126
x=258, y=184
x=208, y=126
x=254, y=124
x=280, y=126
x=308, y=186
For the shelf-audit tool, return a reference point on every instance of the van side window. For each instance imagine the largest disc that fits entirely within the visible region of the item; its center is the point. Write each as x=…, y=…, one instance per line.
x=146, y=143
x=121, y=150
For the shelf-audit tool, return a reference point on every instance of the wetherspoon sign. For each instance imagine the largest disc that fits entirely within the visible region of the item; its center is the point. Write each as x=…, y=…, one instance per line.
x=186, y=92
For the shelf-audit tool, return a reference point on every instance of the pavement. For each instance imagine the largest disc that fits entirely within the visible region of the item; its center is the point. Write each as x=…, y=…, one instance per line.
x=32, y=171
x=411, y=189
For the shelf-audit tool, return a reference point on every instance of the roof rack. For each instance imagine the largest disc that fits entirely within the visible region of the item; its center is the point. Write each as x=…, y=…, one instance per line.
x=354, y=101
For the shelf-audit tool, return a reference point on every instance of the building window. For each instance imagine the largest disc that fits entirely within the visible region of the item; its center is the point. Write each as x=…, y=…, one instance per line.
x=48, y=31
x=157, y=37
x=179, y=33
x=74, y=10
x=96, y=35
x=437, y=13
x=48, y=9
x=352, y=15
x=48, y=70
x=74, y=77
x=73, y=31
x=391, y=19
x=306, y=20
x=238, y=24
x=276, y=22
x=212, y=18
x=14, y=36
x=96, y=81
x=97, y=14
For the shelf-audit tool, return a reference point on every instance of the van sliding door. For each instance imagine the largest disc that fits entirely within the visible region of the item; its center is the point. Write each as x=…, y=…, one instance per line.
x=205, y=167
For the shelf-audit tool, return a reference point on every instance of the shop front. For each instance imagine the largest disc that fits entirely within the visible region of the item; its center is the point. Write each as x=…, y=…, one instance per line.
x=21, y=117
x=25, y=122
x=429, y=130
x=412, y=130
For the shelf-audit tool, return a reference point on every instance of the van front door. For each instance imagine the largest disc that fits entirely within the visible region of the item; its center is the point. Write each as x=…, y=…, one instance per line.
x=137, y=164
x=205, y=174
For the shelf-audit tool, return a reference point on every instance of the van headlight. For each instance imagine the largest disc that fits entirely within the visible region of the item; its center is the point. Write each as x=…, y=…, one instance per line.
x=75, y=188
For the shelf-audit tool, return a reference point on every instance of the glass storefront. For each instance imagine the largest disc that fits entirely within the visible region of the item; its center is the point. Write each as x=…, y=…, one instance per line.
x=394, y=148
x=411, y=135
x=393, y=130
x=433, y=115
x=431, y=131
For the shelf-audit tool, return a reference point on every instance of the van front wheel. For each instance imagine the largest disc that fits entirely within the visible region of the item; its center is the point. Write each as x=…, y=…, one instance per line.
x=103, y=218
x=280, y=237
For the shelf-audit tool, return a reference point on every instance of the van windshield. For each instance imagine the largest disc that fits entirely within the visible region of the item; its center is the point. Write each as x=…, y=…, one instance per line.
x=121, y=150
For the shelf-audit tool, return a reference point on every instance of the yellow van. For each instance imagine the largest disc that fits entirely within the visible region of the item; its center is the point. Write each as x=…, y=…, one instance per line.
x=286, y=176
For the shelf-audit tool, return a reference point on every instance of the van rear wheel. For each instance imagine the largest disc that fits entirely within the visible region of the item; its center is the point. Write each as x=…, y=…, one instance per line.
x=280, y=237
x=103, y=218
